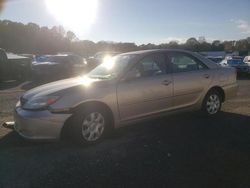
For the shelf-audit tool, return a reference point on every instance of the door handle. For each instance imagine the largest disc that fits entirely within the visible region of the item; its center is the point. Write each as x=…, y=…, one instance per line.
x=206, y=76
x=166, y=82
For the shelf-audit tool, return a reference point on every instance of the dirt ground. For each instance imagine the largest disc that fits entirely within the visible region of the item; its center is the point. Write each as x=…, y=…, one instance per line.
x=184, y=150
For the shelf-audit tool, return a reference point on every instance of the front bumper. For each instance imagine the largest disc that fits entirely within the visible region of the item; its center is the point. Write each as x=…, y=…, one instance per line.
x=39, y=125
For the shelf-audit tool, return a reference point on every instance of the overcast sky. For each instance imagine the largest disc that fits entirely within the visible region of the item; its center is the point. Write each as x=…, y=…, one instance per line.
x=144, y=21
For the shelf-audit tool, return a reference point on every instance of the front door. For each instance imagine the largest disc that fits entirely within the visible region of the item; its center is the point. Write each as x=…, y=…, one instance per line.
x=149, y=92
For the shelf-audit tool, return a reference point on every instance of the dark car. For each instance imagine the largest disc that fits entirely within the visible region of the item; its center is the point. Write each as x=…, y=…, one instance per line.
x=60, y=66
x=14, y=67
x=238, y=63
x=98, y=58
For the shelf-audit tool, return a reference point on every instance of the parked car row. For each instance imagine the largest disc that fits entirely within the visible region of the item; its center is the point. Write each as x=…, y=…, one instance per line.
x=238, y=63
x=241, y=64
x=66, y=65
x=57, y=66
x=47, y=67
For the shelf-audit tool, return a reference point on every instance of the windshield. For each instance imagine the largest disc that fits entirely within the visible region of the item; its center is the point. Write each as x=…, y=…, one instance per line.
x=111, y=67
x=57, y=59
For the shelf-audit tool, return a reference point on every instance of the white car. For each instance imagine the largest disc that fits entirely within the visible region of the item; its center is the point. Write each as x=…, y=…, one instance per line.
x=247, y=60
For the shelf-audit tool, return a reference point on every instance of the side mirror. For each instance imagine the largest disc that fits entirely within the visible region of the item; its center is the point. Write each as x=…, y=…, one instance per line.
x=132, y=74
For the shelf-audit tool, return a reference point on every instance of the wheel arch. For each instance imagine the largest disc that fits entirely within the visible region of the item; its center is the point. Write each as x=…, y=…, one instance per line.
x=219, y=90
x=82, y=106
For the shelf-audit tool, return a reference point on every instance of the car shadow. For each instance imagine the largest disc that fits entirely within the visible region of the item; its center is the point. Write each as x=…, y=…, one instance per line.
x=185, y=148
x=227, y=129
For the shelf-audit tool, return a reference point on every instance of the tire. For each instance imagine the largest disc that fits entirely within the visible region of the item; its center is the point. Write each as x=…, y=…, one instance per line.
x=212, y=103
x=90, y=125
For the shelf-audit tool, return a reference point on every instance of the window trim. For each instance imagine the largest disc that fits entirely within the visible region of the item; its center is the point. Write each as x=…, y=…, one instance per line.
x=150, y=55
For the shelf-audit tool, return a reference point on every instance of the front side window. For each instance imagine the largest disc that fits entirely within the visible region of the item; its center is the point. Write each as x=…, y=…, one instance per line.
x=152, y=65
x=185, y=63
x=111, y=67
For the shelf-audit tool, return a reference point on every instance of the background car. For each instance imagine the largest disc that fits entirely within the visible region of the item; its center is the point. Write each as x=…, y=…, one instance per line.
x=14, y=67
x=57, y=66
x=238, y=63
x=98, y=58
x=247, y=60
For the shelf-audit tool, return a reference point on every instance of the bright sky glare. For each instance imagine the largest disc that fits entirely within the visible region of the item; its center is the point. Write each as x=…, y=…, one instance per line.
x=77, y=15
x=140, y=21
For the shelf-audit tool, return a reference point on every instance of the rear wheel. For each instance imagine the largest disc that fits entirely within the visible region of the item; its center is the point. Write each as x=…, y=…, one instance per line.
x=91, y=125
x=212, y=103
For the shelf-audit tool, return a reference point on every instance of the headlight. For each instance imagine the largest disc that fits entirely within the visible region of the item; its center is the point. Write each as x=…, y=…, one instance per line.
x=38, y=103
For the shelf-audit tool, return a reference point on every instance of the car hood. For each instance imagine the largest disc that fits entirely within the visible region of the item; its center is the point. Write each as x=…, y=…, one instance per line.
x=59, y=88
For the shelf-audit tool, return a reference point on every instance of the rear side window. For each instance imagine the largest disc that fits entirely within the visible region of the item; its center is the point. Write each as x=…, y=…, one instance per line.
x=182, y=62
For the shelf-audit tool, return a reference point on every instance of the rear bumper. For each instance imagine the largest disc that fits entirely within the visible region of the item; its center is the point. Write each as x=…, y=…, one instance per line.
x=230, y=91
x=41, y=125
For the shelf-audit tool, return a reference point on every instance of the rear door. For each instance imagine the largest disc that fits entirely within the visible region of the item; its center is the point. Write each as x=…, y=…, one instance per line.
x=190, y=77
x=149, y=92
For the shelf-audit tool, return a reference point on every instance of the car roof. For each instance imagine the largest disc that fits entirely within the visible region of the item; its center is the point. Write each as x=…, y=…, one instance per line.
x=142, y=52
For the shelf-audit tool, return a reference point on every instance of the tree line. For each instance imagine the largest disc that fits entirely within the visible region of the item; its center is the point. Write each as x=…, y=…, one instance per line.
x=31, y=38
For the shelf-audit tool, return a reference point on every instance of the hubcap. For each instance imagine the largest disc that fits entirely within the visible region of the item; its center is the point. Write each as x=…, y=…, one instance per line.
x=93, y=126
x=213, y=104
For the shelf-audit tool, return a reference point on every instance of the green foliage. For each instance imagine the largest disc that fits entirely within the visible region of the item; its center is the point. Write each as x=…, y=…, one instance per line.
x=31, y=38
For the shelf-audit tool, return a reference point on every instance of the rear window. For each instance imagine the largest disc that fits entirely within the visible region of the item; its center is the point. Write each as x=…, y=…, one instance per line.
x=58, y=59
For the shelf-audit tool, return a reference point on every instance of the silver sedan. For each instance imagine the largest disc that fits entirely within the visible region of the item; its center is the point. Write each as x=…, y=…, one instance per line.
x=124, y=89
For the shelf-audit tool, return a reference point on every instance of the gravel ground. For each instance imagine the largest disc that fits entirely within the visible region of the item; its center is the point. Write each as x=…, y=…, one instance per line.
x=185, y=150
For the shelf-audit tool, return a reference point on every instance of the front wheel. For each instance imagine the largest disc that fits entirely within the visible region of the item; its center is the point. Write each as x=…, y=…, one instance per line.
x=90, y=126
x=212, y=103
